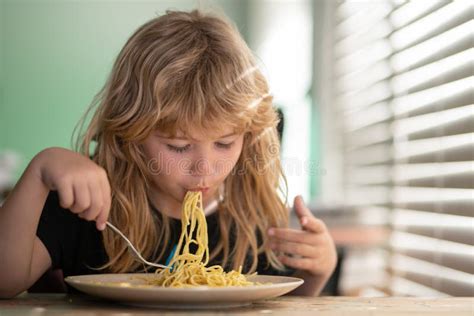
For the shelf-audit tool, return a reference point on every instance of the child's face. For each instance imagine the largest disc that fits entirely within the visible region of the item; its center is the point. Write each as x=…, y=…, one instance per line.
x=179, y=164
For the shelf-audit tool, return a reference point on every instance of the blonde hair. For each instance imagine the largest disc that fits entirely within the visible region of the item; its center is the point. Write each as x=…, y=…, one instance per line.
x=179, y=70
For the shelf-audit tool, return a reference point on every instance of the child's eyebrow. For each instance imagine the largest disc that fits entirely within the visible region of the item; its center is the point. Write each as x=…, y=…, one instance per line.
x=186, y=138
x=227, y=135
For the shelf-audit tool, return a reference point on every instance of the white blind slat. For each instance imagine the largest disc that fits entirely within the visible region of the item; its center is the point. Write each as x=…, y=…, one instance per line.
x=413, y=10
x=452, y=94
x=449, y=69
x=446, y=44
x=369, y=175
x=440, y=200
x=449, y=122
x=377, y=154
x=440, y=278
x=371, y=115
x=450, y=174
x=374, y=134
x=358, y=16
x=453, y=228
x=445, y=253
x=362, y=37
x=448, y=16
x=363, y=98
x=363, y=78
x=440, y=148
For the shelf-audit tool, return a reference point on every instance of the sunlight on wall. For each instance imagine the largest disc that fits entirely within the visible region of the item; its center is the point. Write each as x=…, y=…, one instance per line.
x=282, y=38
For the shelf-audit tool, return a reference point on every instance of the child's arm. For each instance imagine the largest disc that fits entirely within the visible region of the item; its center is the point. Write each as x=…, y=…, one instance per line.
x=315, y=254
x=83, y=188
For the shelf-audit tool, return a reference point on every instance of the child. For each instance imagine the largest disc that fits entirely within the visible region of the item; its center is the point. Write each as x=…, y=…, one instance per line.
x=185, y=108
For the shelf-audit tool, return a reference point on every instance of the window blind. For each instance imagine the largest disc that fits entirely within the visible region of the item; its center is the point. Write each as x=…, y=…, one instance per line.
x=403, y=88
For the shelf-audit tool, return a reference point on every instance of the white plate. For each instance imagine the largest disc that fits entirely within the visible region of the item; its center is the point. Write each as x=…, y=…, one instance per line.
x=118, y=287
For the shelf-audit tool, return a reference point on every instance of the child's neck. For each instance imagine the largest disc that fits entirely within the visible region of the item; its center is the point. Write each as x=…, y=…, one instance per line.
x=165, y=204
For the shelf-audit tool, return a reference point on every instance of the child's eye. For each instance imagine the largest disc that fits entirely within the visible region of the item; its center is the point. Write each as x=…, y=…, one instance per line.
x=177, y=148
x=224, y=145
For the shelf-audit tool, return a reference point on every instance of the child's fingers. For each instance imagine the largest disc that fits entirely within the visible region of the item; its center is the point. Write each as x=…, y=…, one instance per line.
x=82, y=199
x=106, y=191
x=297, y=263
x=288, y=234
x=313, y=224
x=102, y=219
x=106, y=196
x=294, y=235
x=104, y=213
x=88, y=214
x=66, y=195
x=300, y=208
x=97, y=201
x=307, y=220
x=299, y=249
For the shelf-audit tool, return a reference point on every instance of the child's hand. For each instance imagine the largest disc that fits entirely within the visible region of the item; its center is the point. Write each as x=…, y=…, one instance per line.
x=82, y=185
x=312, y=249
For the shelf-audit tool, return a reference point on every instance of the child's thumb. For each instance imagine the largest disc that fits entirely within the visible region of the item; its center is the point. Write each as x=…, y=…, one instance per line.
x=300, y=208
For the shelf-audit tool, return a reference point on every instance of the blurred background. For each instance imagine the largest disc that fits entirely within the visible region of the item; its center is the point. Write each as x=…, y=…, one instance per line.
x=377, y=100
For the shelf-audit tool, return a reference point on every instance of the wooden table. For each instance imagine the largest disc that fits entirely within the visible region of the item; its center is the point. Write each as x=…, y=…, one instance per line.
x=62, y=304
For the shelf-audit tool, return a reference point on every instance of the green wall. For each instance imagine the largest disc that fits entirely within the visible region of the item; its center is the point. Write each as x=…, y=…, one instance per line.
x=56, y=55
x=2, y=115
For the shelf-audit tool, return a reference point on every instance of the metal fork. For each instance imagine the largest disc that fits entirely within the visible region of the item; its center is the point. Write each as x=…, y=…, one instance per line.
x=135, y=252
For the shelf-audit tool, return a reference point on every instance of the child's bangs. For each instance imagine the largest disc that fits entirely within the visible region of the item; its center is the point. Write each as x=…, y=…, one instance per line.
x=204, y=102
x=191, y=120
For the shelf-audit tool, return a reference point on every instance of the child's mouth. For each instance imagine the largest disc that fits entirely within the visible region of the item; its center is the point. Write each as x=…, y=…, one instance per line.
x=203, y=190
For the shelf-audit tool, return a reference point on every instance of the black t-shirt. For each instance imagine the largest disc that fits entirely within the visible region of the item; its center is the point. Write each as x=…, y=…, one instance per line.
x=76, y=246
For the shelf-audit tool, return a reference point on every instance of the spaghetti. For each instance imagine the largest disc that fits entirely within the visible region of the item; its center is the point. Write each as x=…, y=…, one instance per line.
x=190, y=269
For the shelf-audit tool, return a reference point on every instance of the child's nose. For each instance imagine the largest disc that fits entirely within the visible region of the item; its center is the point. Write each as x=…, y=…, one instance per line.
x=202, y=167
